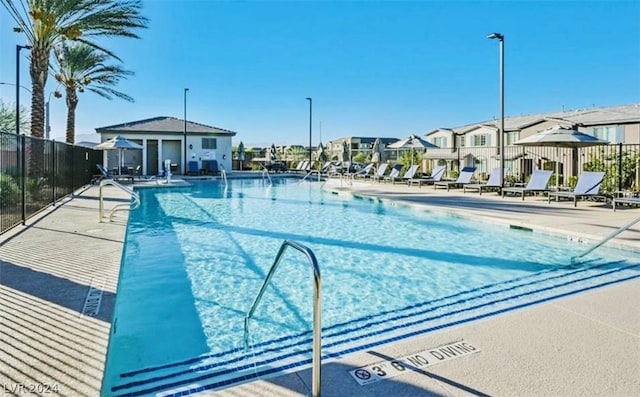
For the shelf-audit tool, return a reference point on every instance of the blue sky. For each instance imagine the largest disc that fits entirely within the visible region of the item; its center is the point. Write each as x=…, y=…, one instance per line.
x=372, y=68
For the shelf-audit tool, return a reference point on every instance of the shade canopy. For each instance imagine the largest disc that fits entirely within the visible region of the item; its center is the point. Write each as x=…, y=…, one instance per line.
x=411, y=142
x=118, y=142
x=559, y=136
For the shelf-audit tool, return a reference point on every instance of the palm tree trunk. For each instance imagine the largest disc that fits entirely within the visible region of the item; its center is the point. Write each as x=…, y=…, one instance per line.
x=72, y=103
x=39, y=69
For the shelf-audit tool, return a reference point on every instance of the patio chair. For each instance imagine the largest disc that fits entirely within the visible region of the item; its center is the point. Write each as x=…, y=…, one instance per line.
x=364, y=173
x=192, y=168
x=588, y=185
x=210, y=167
x=492, y=183
x=382, y=168
x=625, y=200
x=463, y=179
x=411, y=172
x=436, y=175
x=105, y=174
x=537, y=184
x=395, y=172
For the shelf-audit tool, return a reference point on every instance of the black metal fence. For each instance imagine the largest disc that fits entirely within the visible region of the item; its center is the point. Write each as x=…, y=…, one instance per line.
x=35, y=173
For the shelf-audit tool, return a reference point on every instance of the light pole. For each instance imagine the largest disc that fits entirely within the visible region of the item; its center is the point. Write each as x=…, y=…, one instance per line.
x=18, y=48
x=310, y=110
x=184, y=163
x=47, y=117
x=500, y=38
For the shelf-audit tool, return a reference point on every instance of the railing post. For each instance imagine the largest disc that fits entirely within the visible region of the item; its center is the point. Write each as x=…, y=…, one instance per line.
x=317, y=309
x=23, y=139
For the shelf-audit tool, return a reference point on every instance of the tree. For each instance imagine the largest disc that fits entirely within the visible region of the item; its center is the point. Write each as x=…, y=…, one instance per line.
x=8, y=118
x=47, y=23
x=82, y=67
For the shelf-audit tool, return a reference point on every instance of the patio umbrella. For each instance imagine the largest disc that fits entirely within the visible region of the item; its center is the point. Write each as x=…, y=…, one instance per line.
x=272, y=154
x=345, y=152
x=241, y=153
x=377, y=155
x=120, y=144
x=412, y=142
x=320, y=152
x=559, y=136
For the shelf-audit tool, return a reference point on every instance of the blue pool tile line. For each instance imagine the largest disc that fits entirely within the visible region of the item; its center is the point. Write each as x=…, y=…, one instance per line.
x=372, y=334
x=343, y=324
x=256, y=375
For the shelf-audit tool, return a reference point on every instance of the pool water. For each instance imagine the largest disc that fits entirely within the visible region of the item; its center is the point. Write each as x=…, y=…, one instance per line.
x=195, y=258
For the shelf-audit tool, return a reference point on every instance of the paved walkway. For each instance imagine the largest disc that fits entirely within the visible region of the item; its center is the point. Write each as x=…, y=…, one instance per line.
x=586, y=344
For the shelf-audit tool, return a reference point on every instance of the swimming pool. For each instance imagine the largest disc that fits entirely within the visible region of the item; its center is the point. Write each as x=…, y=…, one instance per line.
x=196, y=257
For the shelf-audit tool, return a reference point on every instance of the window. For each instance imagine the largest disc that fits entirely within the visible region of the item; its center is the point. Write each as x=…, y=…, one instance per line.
x=608, y=134
x=461, y=141
x=480, y=140
x=512, y=137
x=440, y=141
x=209, y=143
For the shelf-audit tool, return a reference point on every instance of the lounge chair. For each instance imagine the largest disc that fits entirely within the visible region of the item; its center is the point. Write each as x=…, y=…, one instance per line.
x=210, y=167
x=395, y=172
x=538, y=183
x=105, y=174
x=463, y=179
x=588, y=186
x=382, y=168
x=364, y=173
x=436, y=175
x=411, y=172
x=192, y=168
x=492, y=183
x=625, y=200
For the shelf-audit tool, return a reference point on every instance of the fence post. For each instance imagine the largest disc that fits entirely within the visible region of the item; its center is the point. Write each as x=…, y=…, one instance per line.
x=53, y=172
x=23, y=139
x=620, y=166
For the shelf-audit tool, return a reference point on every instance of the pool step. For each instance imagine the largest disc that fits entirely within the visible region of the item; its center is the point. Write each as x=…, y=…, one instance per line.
x=217, y=371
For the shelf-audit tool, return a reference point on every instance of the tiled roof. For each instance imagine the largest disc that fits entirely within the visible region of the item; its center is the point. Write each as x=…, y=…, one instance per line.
x=164, y=125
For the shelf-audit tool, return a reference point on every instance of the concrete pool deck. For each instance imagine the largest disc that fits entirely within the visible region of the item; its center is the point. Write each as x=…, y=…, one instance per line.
x=584, y=344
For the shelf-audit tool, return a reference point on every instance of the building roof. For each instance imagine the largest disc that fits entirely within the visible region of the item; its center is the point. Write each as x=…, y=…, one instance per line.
x=365, y=139
x=580, y=117
x=163, y=125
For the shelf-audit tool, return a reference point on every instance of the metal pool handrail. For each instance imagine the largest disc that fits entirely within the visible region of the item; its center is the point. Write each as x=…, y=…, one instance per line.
x=223, y=174
x=604, y=240
x=134, y=195
x=265, y=171
x=317, y=326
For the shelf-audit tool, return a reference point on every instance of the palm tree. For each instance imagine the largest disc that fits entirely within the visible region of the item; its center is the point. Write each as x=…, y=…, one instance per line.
x=48, y=22
x=82, y=67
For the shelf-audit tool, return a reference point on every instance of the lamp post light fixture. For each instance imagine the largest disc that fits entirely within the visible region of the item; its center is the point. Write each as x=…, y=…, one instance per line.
x=184, y=162
x=18, y=48
x=500, y=37
x=310, y=114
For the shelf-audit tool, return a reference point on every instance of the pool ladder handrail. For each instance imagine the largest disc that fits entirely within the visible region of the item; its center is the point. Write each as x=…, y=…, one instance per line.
x=311, y=173
x=317, y=304
x=604, y=240
x=223, y=175
x=265, y=172
x=134, y=195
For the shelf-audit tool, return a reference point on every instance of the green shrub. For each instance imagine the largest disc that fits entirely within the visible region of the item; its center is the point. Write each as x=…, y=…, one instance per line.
x=9, y=190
